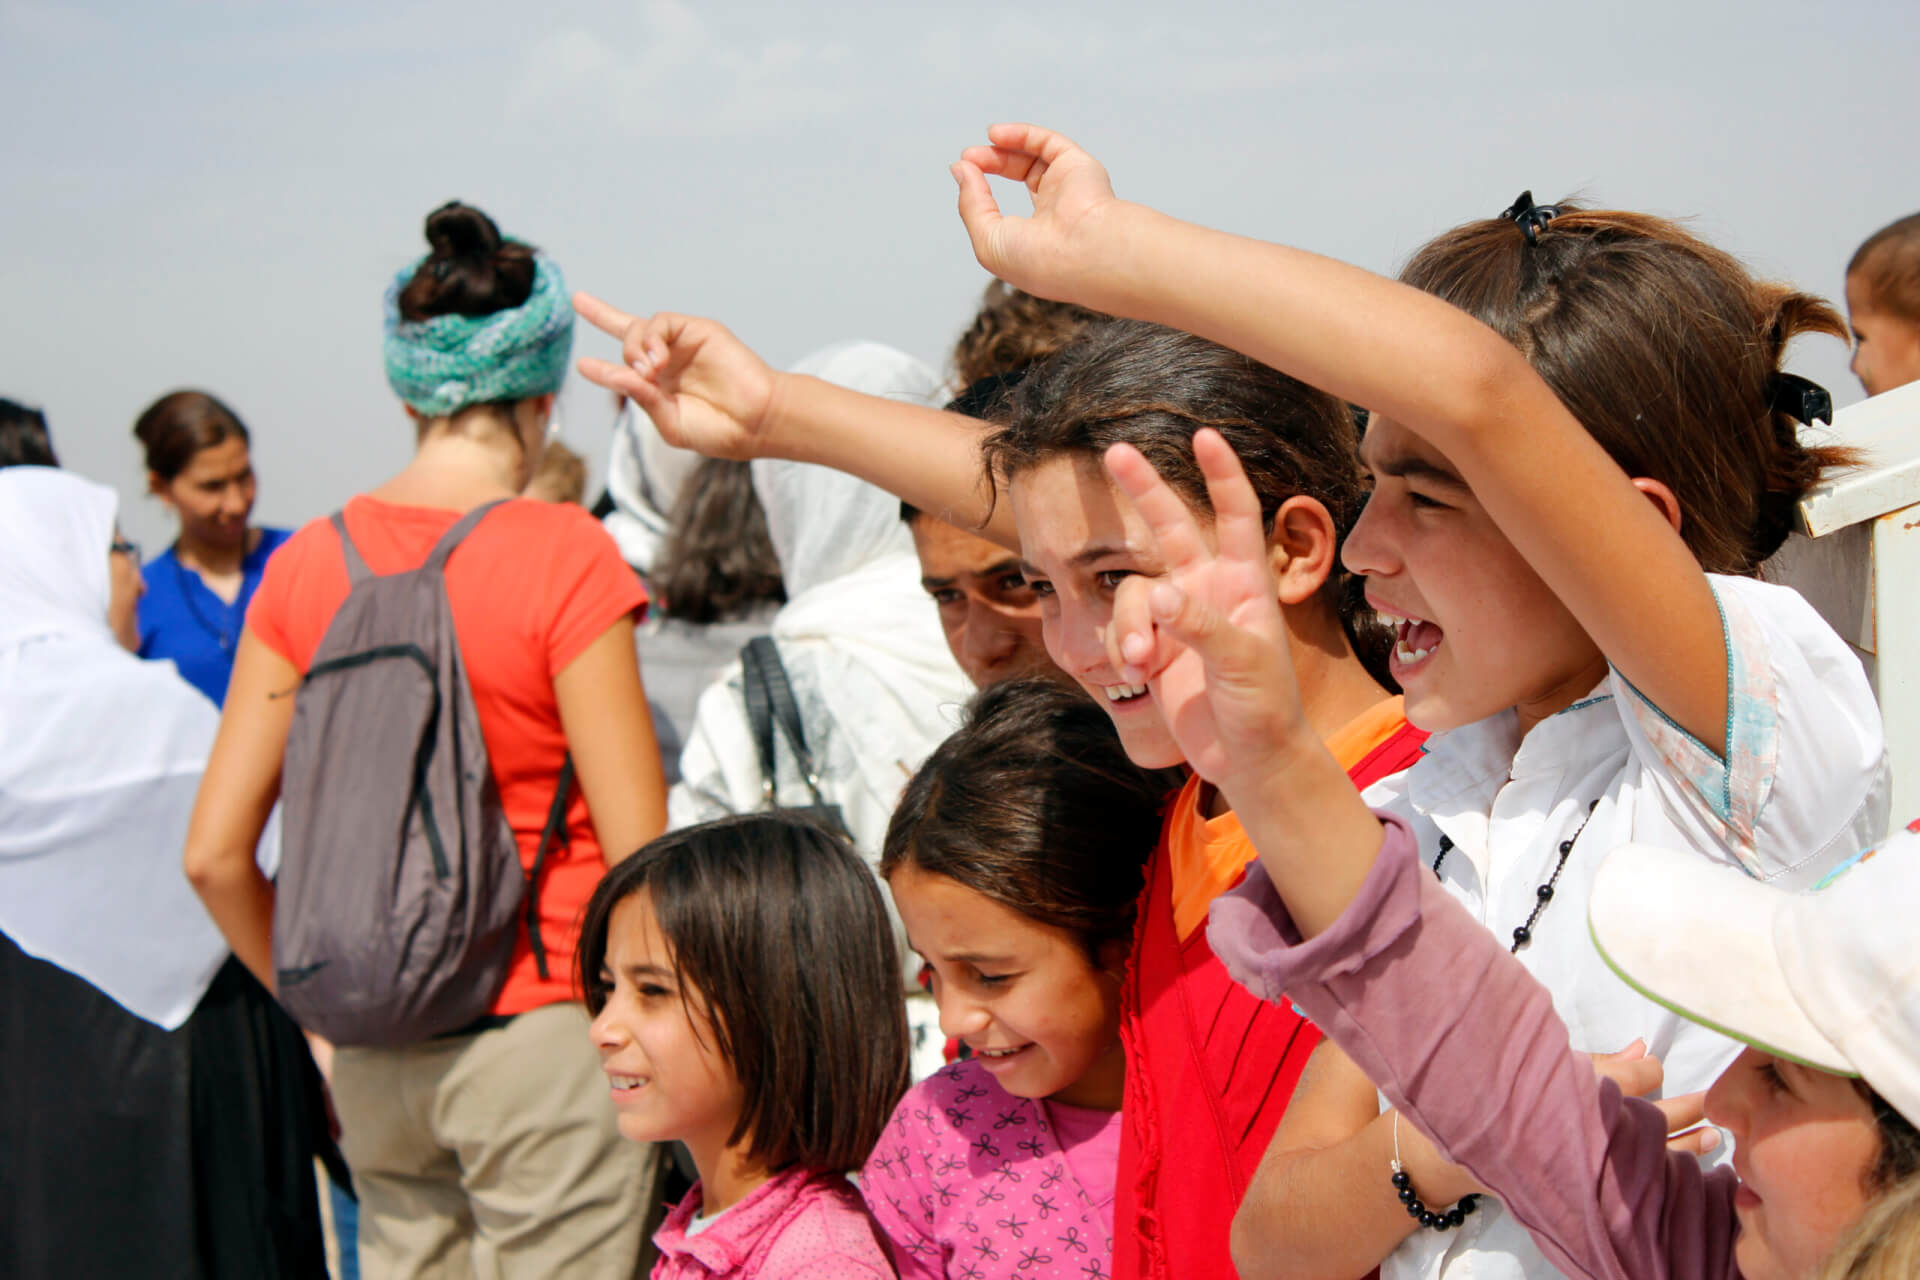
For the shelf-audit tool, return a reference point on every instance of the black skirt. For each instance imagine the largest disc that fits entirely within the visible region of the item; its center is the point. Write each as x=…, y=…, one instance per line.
x=127, y=1150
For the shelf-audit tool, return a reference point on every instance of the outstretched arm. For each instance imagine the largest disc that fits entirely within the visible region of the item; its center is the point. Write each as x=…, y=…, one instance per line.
x=1613, y=558
x=706, y=391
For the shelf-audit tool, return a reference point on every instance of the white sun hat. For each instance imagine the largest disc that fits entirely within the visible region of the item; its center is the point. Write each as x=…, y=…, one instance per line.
x=1829, y=978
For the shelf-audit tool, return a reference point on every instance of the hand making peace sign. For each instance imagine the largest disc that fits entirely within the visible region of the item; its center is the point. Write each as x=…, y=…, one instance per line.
x=704, y=388
x=1207, y=637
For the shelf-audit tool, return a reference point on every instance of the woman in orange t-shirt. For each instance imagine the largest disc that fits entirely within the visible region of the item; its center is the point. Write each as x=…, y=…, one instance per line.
x=494, y=1141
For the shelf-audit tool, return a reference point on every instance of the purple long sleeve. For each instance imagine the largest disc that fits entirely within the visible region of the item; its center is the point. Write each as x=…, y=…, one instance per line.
x=1463, y=1040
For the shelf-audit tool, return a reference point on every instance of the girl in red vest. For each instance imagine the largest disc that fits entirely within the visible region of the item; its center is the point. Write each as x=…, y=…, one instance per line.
x=1209, y=1068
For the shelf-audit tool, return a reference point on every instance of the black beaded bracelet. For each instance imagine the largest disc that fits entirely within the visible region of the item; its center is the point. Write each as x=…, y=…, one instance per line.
x=1445, y=1220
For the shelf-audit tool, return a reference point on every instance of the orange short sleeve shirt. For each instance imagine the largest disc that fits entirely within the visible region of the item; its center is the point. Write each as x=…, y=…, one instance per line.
x=530, y=588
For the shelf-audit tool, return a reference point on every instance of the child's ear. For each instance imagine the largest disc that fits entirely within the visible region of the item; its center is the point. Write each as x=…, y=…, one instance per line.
x=1302, y=546
x=1662, y=498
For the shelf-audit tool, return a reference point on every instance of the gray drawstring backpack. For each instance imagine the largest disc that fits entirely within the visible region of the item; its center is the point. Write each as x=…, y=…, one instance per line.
x=400, y=882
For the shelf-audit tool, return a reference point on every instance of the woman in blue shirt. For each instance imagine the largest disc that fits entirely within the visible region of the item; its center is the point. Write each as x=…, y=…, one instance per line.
x=197, y=590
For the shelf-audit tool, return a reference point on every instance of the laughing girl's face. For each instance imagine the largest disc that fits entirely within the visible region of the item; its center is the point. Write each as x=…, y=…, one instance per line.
x=1078, y=540
x=1477, y=631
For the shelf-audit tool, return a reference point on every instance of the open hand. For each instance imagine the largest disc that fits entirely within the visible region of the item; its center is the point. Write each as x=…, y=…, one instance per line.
x=1206, y=637
x=1053, y=253
x=704, y=389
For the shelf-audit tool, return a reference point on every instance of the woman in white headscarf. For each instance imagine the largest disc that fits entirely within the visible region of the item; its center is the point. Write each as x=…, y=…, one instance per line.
x=876, y=685
x=160, y=1114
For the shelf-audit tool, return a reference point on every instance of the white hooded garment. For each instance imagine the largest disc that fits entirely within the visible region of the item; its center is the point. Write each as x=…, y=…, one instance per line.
x=100, y=758
x=877, y=687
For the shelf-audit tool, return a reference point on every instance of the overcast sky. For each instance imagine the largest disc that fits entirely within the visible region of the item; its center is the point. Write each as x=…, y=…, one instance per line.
x=214, y=194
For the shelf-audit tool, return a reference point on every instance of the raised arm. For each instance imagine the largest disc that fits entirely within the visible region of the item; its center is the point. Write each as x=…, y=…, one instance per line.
x=1613, y=558
x=706, y=391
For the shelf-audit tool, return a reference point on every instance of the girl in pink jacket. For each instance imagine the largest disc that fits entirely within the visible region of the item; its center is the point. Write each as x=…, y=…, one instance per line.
x=746, y=1002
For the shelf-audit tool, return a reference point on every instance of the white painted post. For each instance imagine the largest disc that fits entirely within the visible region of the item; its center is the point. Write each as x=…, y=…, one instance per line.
x=1858, y=563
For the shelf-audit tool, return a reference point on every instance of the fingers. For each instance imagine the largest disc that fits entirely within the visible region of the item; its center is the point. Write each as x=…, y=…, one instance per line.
x=614, y=377
x=1637, y=1077
x=1239, y=530
x=979, y=211
x=1041, y=144
x=1175, y=531
x=1697, y=1141
x=603, y=316
x=1687, y=1127
x=1131, y=635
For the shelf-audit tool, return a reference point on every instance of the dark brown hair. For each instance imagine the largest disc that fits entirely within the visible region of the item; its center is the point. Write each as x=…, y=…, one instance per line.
x=1126, y=381
x=1033, y=803
x=470, y=271
x=24, y=440
x=181, y=424
x=1012, y=330
x=1664, y=348
x=718, y=562
x=1888, y=264
x=779, y=932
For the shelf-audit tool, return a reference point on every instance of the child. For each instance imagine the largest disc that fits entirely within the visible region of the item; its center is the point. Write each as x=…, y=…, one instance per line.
x=746, y=1003
x=1883, y=305
x=1014, y=860
x=1590, y=686
x=1343, y=916
x=1206, y=1060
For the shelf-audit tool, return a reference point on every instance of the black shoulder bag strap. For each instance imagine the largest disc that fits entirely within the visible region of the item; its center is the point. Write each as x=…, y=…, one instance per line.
x=555, y=830
x=770, y=702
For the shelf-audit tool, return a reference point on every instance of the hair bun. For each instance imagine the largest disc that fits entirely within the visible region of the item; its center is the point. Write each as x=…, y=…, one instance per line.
x=457, y=230
x=472, y=271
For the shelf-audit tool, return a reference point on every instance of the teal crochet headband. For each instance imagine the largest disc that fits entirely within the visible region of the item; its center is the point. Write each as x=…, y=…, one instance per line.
x=442, y=365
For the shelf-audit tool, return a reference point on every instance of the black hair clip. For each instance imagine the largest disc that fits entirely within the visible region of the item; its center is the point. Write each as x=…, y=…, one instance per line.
x=1530, y=217
x=1800, y=398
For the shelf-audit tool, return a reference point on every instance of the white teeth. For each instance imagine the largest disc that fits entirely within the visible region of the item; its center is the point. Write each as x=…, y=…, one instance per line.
x=1121, y=692
x=998, y=1053
x=627, y=1082
x=1409, y=656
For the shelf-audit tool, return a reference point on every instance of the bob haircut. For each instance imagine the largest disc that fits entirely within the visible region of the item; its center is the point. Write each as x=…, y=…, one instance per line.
x=1033, y=804
x=777, y=928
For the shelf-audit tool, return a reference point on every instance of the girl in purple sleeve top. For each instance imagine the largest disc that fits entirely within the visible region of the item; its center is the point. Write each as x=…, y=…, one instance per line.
x=1015, y=859
x=1342, y=917
x=746, y=1002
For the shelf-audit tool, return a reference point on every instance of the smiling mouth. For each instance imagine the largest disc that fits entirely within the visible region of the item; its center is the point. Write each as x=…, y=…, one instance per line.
x=1124, y=692
x=1414, y=639
x=627, y=1084
x=1000, y=1055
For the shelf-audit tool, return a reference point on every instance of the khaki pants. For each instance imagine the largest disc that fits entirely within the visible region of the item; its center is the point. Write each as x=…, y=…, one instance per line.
x=493, y=1155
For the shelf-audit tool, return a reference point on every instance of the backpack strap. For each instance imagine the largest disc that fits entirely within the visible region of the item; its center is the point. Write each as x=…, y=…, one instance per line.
x=785, y=713
x=753, y=685
x=556, y=829
x=437, y=558
x=357, y=571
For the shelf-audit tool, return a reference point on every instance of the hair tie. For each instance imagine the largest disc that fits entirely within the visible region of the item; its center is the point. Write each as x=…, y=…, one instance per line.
x=1530, y=217
x=1799, y=398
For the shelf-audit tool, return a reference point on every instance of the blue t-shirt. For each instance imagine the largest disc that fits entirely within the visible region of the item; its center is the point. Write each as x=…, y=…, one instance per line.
x=182, y=620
